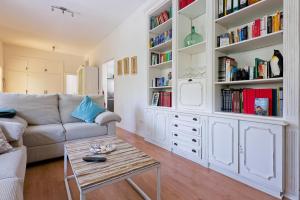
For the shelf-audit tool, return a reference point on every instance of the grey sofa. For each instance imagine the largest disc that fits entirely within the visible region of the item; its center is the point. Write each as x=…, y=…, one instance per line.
x=49, y=124
x=43, y=124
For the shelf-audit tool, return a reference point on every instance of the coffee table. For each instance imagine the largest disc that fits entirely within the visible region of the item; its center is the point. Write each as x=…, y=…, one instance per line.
x=122, y=164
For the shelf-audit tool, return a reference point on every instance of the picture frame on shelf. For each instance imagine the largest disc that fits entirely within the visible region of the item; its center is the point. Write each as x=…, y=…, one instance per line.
x=155, y=99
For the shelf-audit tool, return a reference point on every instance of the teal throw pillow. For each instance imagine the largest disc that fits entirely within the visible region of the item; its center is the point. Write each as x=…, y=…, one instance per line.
x=87, y=110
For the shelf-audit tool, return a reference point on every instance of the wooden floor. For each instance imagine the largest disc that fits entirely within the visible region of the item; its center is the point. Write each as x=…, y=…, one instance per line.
x=181, y=180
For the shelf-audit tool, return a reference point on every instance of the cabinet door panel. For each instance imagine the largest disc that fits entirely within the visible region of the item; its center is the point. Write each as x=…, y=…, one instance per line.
x=16, y=64
x=160, y=127
x=15, y=81
x=223, y=143
x=261, y=147
x=149, y=125
x=36, y=83
x=36, y=65
x=53, y=84
x=191, y=94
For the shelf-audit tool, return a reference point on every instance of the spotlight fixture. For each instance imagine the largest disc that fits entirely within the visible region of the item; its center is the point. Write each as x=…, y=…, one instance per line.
x=63, y=10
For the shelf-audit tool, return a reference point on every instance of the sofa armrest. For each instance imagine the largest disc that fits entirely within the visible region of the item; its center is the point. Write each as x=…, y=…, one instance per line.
x=111, y=128
x=13, y=128
x=107, y=117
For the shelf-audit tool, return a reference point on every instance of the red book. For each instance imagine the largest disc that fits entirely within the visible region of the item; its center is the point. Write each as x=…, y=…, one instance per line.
x=167, y=99
x=161, y=99
x=256, y=28
x=266, y=93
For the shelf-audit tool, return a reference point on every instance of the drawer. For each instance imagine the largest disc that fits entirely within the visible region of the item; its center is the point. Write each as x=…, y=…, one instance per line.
x=185, y=128
x=189, y=139
x=187, y=117
x=186, y=149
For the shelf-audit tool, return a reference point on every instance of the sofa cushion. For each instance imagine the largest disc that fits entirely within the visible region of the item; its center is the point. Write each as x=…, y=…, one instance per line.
x=4, y=145
x=13, y=164
x=35, y=109
x=67, y=103
x=43, y=135
x=81, y=130
x=87, y=110
x=11, y=189
x=13, y=128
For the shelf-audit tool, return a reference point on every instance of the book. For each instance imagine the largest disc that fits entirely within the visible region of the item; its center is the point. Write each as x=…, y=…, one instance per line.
x=243, y=3
x=229, y=6
x=261, y=106
x=270, y=24
x=221, y=8
x=236, y=6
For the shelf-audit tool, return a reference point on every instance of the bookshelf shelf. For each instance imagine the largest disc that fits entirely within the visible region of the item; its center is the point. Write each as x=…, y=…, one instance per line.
x=194, y=10
x=253, y=43
x=162, y=47
x=167, y=64
x=162, y=87
x=167, y=25
x=247, y=116
x=249, y=13
x=194, y=49
x=257, y=81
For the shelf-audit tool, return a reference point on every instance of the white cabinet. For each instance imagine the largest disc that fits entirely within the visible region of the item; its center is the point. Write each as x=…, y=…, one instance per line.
x=157, y=127
x=223, y=143
x=149, y=125
x=261, y=153
x=191, y=94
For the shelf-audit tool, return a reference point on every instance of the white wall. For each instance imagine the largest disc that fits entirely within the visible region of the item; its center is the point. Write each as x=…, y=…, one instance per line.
x=1, y=66
x=129, y=39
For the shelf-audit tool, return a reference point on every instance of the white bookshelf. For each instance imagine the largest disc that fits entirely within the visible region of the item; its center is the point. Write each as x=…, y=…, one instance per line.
x=194, y=10
x=164, y=67
x=246, y=51
x=249, y=13
x=194, y=49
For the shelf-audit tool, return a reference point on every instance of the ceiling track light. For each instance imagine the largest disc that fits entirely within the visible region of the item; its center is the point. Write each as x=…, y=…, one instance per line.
x=63, y=10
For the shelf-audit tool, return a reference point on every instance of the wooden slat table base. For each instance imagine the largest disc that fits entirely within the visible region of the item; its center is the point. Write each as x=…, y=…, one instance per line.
x=122, y=164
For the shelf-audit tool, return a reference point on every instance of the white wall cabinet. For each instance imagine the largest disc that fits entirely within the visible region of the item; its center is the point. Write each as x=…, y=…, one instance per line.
x=33, y=76
x=157, y=127
x=261, y=153
x=223, y=143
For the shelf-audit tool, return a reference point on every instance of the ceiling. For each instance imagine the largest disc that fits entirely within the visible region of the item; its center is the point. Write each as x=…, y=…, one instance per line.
x=33, y=24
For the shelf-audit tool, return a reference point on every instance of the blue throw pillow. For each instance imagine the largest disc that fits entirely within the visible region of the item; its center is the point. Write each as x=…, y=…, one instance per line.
x=87, y=110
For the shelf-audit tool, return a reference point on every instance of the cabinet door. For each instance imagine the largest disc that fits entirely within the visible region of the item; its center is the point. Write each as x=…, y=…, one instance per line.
x=191, y=94
x=36, y=65
x=223, y=143
x=16, y=64
x=15, y=81
x=160, y=127
x=36, y=83
x=261, y=153
x=53, y=84
x=149, y=125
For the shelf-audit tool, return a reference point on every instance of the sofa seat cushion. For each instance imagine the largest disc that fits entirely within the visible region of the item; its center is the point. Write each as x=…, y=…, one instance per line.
x=13, y=163
x=11, y=189
x=44, y=135
x=81, y=130
x=67, y=104
x=35, y=109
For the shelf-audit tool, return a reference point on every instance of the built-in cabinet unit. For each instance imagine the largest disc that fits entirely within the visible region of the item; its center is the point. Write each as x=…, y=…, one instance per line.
x=33, y=75
x=256, y=150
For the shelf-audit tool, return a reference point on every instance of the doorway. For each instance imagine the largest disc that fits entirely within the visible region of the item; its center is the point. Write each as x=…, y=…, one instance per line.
x=108, y=84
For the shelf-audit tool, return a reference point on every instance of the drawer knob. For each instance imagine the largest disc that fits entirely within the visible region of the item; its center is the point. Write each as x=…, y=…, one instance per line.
x=175, y=135
x=45, y=70
x=195, y=119
x=190, y=80
x=194, y=151
x=175, y=144
x=194, y=129
x=194, y=140
x=176, y=116
x=175, y=125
